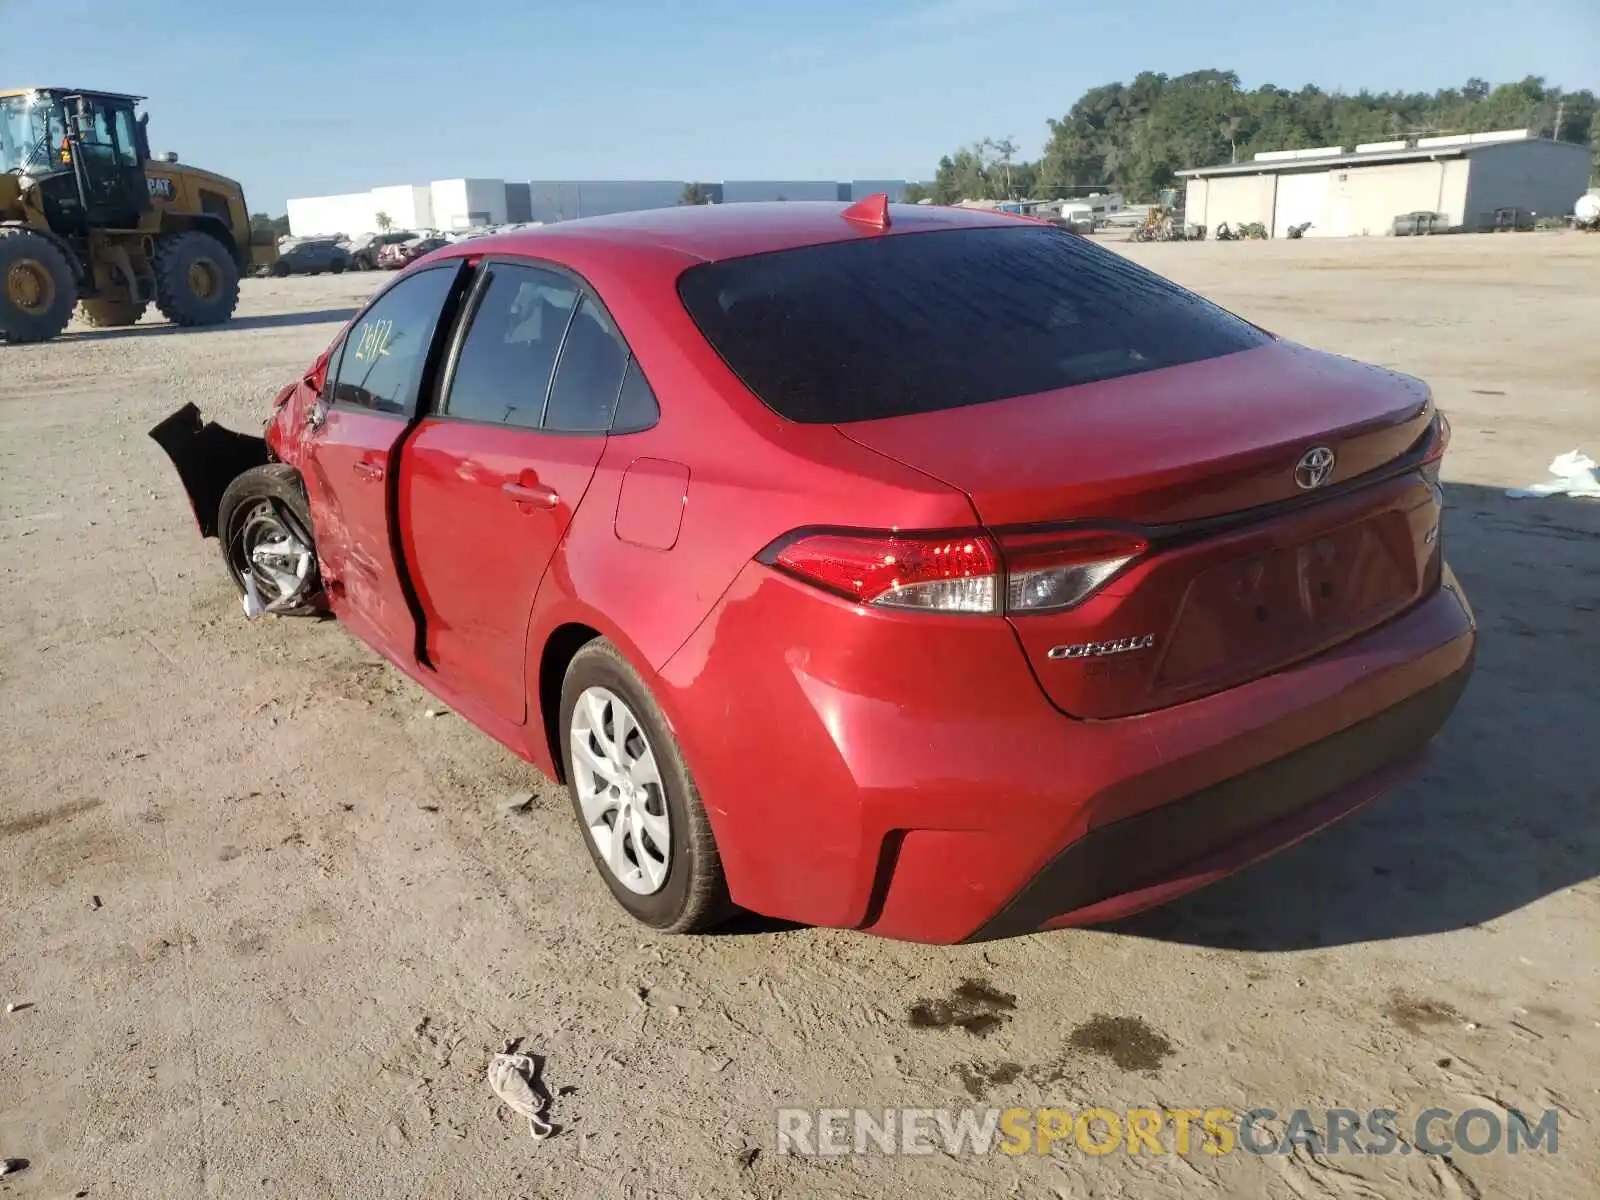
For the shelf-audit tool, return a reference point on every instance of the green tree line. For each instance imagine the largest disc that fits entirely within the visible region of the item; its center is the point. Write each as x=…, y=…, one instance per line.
x=1134, y=137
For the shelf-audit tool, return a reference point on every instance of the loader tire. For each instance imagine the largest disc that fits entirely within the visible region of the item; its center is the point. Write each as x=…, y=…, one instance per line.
x=37, y=290
x=197, y=281
x=111, y=314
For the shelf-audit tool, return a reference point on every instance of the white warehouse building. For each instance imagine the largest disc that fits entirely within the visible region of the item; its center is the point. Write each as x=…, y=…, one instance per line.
x=454, y=204
x=446, y=204
x=1467, y=178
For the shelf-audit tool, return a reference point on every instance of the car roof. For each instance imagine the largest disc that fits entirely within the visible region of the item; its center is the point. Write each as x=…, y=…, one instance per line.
x=712, y=232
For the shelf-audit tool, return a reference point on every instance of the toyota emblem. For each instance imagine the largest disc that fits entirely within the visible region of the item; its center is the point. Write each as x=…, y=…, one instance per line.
x=1314, y=467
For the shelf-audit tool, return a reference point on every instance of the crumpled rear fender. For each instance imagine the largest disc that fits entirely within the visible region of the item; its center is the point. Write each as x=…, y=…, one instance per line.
x=209, y=458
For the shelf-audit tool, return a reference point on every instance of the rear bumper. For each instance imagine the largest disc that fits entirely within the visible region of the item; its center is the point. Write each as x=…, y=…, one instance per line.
x=906, y=774
x=1148, y=859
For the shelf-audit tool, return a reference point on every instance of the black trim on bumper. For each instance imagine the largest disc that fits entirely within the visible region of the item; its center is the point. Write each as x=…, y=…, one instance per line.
x=208, y=458
x=1144, y=850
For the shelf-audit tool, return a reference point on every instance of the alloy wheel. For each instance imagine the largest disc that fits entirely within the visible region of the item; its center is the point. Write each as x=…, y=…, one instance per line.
x=273, y=556
x=619, y=791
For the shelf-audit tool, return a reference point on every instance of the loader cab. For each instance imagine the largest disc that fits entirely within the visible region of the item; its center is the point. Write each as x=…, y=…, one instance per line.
x=108, y=137
x=85, y=151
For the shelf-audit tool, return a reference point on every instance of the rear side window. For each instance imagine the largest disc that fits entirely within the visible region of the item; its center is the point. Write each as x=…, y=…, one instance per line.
x=503, y=373
x=637, y=409
x=913, y=323
x=590, y=373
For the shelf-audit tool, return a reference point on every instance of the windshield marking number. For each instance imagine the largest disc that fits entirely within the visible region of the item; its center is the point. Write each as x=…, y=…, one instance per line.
x=374, y=340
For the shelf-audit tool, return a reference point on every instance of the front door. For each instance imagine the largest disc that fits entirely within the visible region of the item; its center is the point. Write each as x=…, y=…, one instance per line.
x=370, y=396
x=488, y=484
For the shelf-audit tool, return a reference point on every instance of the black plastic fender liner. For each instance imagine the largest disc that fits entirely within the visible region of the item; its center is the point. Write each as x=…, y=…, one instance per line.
x=209, y=458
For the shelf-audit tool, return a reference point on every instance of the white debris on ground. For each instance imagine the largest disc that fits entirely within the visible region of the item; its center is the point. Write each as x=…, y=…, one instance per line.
x=511, y=1078
x=1574, y=474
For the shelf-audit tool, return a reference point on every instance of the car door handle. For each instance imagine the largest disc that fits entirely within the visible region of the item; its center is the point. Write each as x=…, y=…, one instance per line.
x=368, y=470
x=535, y=494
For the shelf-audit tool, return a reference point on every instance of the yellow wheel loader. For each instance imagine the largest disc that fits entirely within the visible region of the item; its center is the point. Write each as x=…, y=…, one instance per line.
x=89, y=220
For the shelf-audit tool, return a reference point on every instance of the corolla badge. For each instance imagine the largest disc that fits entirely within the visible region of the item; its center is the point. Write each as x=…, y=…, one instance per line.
x=1102, y=649
x=1314, y=467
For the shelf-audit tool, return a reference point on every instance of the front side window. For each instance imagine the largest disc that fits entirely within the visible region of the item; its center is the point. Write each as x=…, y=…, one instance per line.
x=381, y=366
x=503, y=373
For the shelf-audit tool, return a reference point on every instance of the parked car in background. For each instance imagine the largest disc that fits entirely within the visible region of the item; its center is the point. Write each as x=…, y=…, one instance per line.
x=311, y=258
x=841, y=594
x=401, y=254
x=365, y=248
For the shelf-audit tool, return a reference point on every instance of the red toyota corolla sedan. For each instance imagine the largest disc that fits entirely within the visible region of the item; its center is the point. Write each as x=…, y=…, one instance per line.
x=923, y=571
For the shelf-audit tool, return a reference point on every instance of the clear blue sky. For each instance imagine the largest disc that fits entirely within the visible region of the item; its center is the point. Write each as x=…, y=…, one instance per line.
x=304, y=97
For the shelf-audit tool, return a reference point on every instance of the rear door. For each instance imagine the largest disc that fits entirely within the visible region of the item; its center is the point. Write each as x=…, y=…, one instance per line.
x=374, y=381
x=489, y=481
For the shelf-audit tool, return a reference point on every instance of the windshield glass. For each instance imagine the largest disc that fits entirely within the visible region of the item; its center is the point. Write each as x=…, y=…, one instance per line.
x=30, y=129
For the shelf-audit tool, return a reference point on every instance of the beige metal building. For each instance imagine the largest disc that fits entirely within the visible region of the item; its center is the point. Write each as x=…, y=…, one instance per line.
x=1352, y=194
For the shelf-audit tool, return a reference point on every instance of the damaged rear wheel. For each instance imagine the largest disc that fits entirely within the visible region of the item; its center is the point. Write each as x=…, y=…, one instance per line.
x=264, y=525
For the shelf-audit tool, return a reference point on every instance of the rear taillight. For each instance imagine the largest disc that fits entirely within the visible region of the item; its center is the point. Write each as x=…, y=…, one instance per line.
x=960, y=572
x=1433, y=449
x=1046, y=572
x=939, y=573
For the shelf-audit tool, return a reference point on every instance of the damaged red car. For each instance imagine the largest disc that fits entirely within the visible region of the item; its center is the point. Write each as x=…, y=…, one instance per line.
x=929, y=572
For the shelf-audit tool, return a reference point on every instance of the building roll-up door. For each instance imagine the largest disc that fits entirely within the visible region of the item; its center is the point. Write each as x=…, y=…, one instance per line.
x=1301, y=198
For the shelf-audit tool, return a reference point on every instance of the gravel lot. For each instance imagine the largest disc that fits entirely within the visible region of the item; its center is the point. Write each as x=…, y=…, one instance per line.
x=270, y=918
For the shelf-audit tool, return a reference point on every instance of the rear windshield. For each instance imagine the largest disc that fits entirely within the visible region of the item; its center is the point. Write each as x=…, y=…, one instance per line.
x=883, y=327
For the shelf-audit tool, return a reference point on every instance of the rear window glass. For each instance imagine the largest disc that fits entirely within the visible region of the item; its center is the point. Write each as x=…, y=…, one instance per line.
x=883, y=327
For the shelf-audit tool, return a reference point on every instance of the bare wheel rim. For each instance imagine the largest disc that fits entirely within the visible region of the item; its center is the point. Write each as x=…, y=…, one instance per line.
x=204, y=279
x=30, y=287
x=619, y=791
x=274, y=554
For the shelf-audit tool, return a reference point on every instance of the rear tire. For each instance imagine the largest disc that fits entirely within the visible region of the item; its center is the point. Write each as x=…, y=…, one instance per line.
x=111, y=314
x=264, y=505
x=37, y=288
x=681, y=889
x=197, y=281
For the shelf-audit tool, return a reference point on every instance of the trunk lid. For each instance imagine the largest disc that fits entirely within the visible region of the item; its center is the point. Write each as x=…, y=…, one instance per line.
x=1204, y=439
x=1187, y=454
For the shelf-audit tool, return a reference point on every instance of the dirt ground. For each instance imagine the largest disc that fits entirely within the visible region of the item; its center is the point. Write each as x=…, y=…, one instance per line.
x=269, y=918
